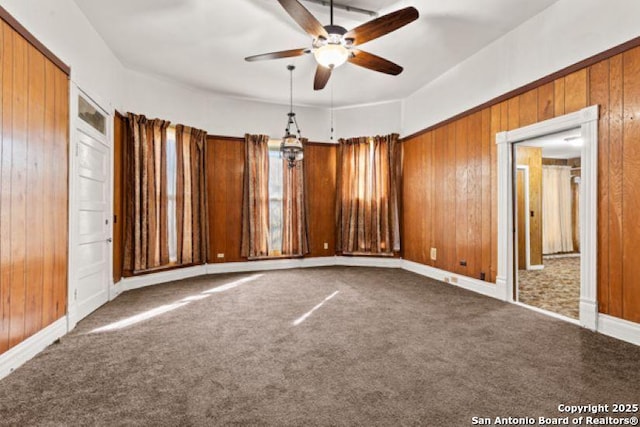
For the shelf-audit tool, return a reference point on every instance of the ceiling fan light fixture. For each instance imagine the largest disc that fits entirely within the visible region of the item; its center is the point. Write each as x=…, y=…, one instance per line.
x=331, y=55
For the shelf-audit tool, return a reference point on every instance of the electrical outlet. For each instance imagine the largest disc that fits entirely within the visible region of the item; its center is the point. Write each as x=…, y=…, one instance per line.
x=220, y=255
x=434, y=254
x=326, y=245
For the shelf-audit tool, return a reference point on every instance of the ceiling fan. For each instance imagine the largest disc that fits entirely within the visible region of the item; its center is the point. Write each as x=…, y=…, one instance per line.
x=333, y=45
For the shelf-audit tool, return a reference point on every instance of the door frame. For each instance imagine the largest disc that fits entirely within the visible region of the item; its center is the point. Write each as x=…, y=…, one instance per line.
x=74, y=123
x=527, y=219
x=587, y=120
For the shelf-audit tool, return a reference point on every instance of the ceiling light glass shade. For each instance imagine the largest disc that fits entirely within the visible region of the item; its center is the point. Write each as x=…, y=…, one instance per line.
x=331, y=55
x=291, y=149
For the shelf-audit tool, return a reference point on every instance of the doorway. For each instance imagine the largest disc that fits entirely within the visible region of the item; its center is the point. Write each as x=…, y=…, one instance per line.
x=547, y=217
x=586, y=120
x=91, y=209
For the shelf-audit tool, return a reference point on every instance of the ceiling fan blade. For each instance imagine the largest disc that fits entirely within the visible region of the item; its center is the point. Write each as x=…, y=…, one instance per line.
x=322, y=77
x=382, y=25
x=304, y=18
x=277, y=55
x=373, y=62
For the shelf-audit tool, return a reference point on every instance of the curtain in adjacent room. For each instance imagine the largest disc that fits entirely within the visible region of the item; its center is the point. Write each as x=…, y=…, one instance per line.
x=295, y=236
x=191, y=205
x=557, y=226
x=367, y=211
x=255, y=204
x=146, y=242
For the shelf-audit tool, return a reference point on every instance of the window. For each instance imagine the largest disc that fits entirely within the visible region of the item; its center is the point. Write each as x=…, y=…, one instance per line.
x=275, y=198
x=172, y=232
x=89, y=114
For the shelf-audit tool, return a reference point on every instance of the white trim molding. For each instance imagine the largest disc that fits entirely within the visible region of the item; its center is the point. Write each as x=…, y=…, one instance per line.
x=479, y=286
x=29, y=348
x=135, y=282
x=619, y=328
x=587, y=120
x=151, y=279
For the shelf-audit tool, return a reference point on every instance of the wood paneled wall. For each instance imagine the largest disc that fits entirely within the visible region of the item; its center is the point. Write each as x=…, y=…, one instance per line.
x=34, y=100
x=320, y=175
x=225, y=168
x=450, y=178
x=532, y=157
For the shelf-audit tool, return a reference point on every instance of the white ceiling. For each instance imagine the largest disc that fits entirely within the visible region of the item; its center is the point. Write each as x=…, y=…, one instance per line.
x=561, y=145
x=202, y=43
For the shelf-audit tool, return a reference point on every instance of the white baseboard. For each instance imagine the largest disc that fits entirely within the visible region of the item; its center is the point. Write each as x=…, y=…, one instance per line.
x=589, y=314
x=485, y=288
x=369, y=261
x=536, y=267
x=270, y=264
x=619, y=328
x=29, y=348
x=129, y=283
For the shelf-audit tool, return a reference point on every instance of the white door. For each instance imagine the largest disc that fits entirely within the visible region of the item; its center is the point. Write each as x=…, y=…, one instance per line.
x=92, y=206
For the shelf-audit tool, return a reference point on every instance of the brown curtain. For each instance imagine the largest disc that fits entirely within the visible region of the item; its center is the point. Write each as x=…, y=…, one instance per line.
x=367, y=211
x=146, y=242
x=295, y=235
x=255, y=203
x=191, y=201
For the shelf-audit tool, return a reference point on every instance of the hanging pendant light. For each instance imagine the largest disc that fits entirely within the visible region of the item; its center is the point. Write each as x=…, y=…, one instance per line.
x=291, y=147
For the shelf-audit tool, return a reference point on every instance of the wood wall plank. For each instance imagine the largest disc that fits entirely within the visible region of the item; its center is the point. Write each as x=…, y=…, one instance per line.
x=528, y=108
x=6, y=69
x=34, y=196
x=49, y=227
x=61, y=178
x=616, y=151
x=18, y=191
x=462, y=182
x=225, y=168
x=575, y=91
x=427, y=189
x=411, y=208
x=320, y=170
x=439, y=197
x=487, y=194
x=558, y=97
x=545, y=102
x=496, y=126
x=630, y=186
x=513, y=111
x=450, y=262
x=474, y=195
x=599, y=94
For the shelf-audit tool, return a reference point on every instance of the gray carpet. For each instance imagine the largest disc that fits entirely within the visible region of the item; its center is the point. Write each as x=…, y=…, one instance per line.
x=390, y=348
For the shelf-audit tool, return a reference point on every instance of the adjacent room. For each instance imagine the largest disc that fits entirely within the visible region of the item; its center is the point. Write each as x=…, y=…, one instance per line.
x=548, y=222
x=317, y=212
